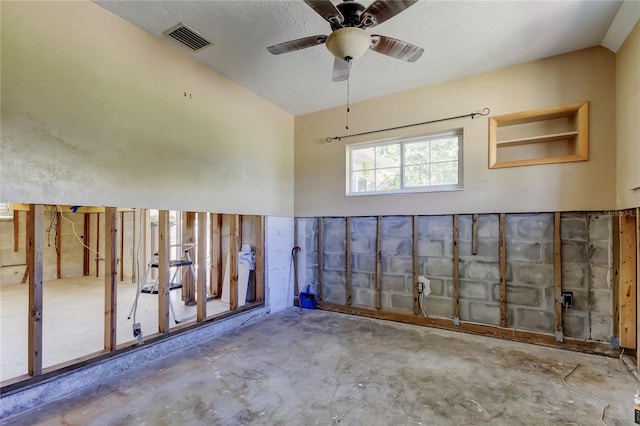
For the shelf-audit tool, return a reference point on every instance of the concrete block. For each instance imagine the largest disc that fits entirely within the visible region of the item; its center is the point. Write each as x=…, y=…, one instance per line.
x=549, y=297
x=437, y=287
x=599, y=227
x=435, y=227
x=360, y=279
x=523, y=250
x=334, y=235
x=600, y=327
x=473, y=290
x=573, y=227
x=363, y=297
x=486, y=250
x=465, y=224
x=522, y=296
x=535, y=320
x=402, y=302
x=364, y=227
x=439, y=307
x=397, y=226
x=574, y=276
x=600, y=301
x=483, y=313
x=333, y=278
x=575, y=325
x=334, y=261
x=572, y=251
x=581, y=301
x=364, y=262
x=362, y=245
x=488, y=226
x=431, y=248
x=394, y=282
x=600, y=277
x=334, y=294
x=483, y=270
x=599, y=253
x=396, y=247
x=439, y=267
x=401, y=265
x=534, y=274
x=533, y=227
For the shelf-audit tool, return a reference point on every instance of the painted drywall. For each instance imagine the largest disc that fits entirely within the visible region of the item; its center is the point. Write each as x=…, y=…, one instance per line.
x=279, y=273
x=586, y=75
x=98, y=112
x=627, y=122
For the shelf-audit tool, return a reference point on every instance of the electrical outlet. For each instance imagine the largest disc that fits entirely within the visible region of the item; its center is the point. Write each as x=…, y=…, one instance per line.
x=137, y=333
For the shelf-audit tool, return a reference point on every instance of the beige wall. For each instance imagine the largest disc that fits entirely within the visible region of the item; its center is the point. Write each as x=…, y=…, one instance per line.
x=583, y=75
x=628, y=120
x=94, y=113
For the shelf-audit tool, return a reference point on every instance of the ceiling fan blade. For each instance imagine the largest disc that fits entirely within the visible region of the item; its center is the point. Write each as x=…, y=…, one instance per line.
x=327, y=10
x=396, y=48
x=381, y=10
x=340, y=70
x=293, y=45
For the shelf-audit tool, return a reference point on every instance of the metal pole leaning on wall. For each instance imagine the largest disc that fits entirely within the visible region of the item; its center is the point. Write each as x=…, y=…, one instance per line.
x=484, y=113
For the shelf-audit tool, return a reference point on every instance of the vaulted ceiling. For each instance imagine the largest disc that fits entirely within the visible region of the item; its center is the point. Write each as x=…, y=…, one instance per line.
x=459, y=38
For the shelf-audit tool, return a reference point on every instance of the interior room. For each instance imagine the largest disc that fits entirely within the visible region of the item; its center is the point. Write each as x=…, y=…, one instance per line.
x=358, y=212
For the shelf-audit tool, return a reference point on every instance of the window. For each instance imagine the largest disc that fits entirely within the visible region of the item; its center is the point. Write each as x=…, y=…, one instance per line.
x=422, y=164
x=5, y=211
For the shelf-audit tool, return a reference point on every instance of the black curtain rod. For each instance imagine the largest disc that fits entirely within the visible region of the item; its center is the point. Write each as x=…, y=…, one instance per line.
x=485, y=112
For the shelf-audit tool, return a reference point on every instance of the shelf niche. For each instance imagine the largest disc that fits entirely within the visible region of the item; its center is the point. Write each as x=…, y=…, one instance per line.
x=542, y=136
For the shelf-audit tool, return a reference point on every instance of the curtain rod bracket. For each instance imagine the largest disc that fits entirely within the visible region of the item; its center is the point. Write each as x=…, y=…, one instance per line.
x=484, y=113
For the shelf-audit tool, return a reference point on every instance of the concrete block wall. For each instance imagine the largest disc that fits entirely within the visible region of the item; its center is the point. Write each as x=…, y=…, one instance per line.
x=586, y=267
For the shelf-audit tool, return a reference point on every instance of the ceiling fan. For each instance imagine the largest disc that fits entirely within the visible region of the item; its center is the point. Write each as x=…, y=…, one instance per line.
x=349, y=39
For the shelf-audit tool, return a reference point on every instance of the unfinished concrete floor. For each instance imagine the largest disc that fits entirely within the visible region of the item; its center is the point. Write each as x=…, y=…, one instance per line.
x=329, y=368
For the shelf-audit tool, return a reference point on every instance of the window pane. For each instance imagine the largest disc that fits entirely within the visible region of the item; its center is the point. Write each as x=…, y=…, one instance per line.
x=416, y=175
x=444, y=173
x=416, y=153
x=363, y=181
x=363, y=159
x=388, y=156
x=388, y=179
x=444, y=149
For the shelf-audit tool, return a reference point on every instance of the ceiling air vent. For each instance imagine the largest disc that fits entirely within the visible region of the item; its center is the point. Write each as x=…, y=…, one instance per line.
x=187, y=36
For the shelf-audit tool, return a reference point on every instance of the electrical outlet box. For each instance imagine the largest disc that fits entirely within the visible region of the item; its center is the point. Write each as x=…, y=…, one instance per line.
x=566, y=299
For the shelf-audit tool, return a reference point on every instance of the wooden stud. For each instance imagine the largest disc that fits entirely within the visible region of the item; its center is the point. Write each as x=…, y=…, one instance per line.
x=347, y=258
x=557, y=274
x=320, y=257
x=456, y=269
x=503, y=271
x=97, y=245
x=260, y=259
x=474, y=234
x=201, y=292
x=216, y=255
x=416, y=267
x=86, y=257
x=234, y=245
x=163, y=271
x=379, y=263
x=136, y=214
x=628, y=256
x=615, y=275
x=479, y=329
x=58, y=245
x=28, y=232
x=121, y=246
x=188, y=237
x=110, y=277
x=16, y=230
x=35, y=226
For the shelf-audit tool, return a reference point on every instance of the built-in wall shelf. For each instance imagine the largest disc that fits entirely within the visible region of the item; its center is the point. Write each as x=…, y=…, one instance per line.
x=549, y=135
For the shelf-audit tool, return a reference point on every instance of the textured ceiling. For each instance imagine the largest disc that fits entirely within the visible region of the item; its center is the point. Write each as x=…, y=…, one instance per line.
x=460, y=38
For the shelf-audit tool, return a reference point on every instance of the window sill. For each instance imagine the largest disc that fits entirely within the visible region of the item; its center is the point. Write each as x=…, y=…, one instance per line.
x=422, y=190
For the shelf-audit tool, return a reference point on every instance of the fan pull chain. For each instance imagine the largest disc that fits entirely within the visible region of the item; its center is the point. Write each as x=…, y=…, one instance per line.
x=348, y=78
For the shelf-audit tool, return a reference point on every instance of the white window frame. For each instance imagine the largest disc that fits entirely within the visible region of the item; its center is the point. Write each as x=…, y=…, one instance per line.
x=5, y=211
x=403, y=142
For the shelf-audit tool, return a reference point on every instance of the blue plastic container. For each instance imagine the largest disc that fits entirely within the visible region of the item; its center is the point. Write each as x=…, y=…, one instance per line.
x=308, y=299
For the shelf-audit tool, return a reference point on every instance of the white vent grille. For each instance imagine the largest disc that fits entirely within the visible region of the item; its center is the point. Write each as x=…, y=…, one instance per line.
x=188, y=37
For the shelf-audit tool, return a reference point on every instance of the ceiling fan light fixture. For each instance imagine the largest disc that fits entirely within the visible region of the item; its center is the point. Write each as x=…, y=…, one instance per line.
x=348, y=43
